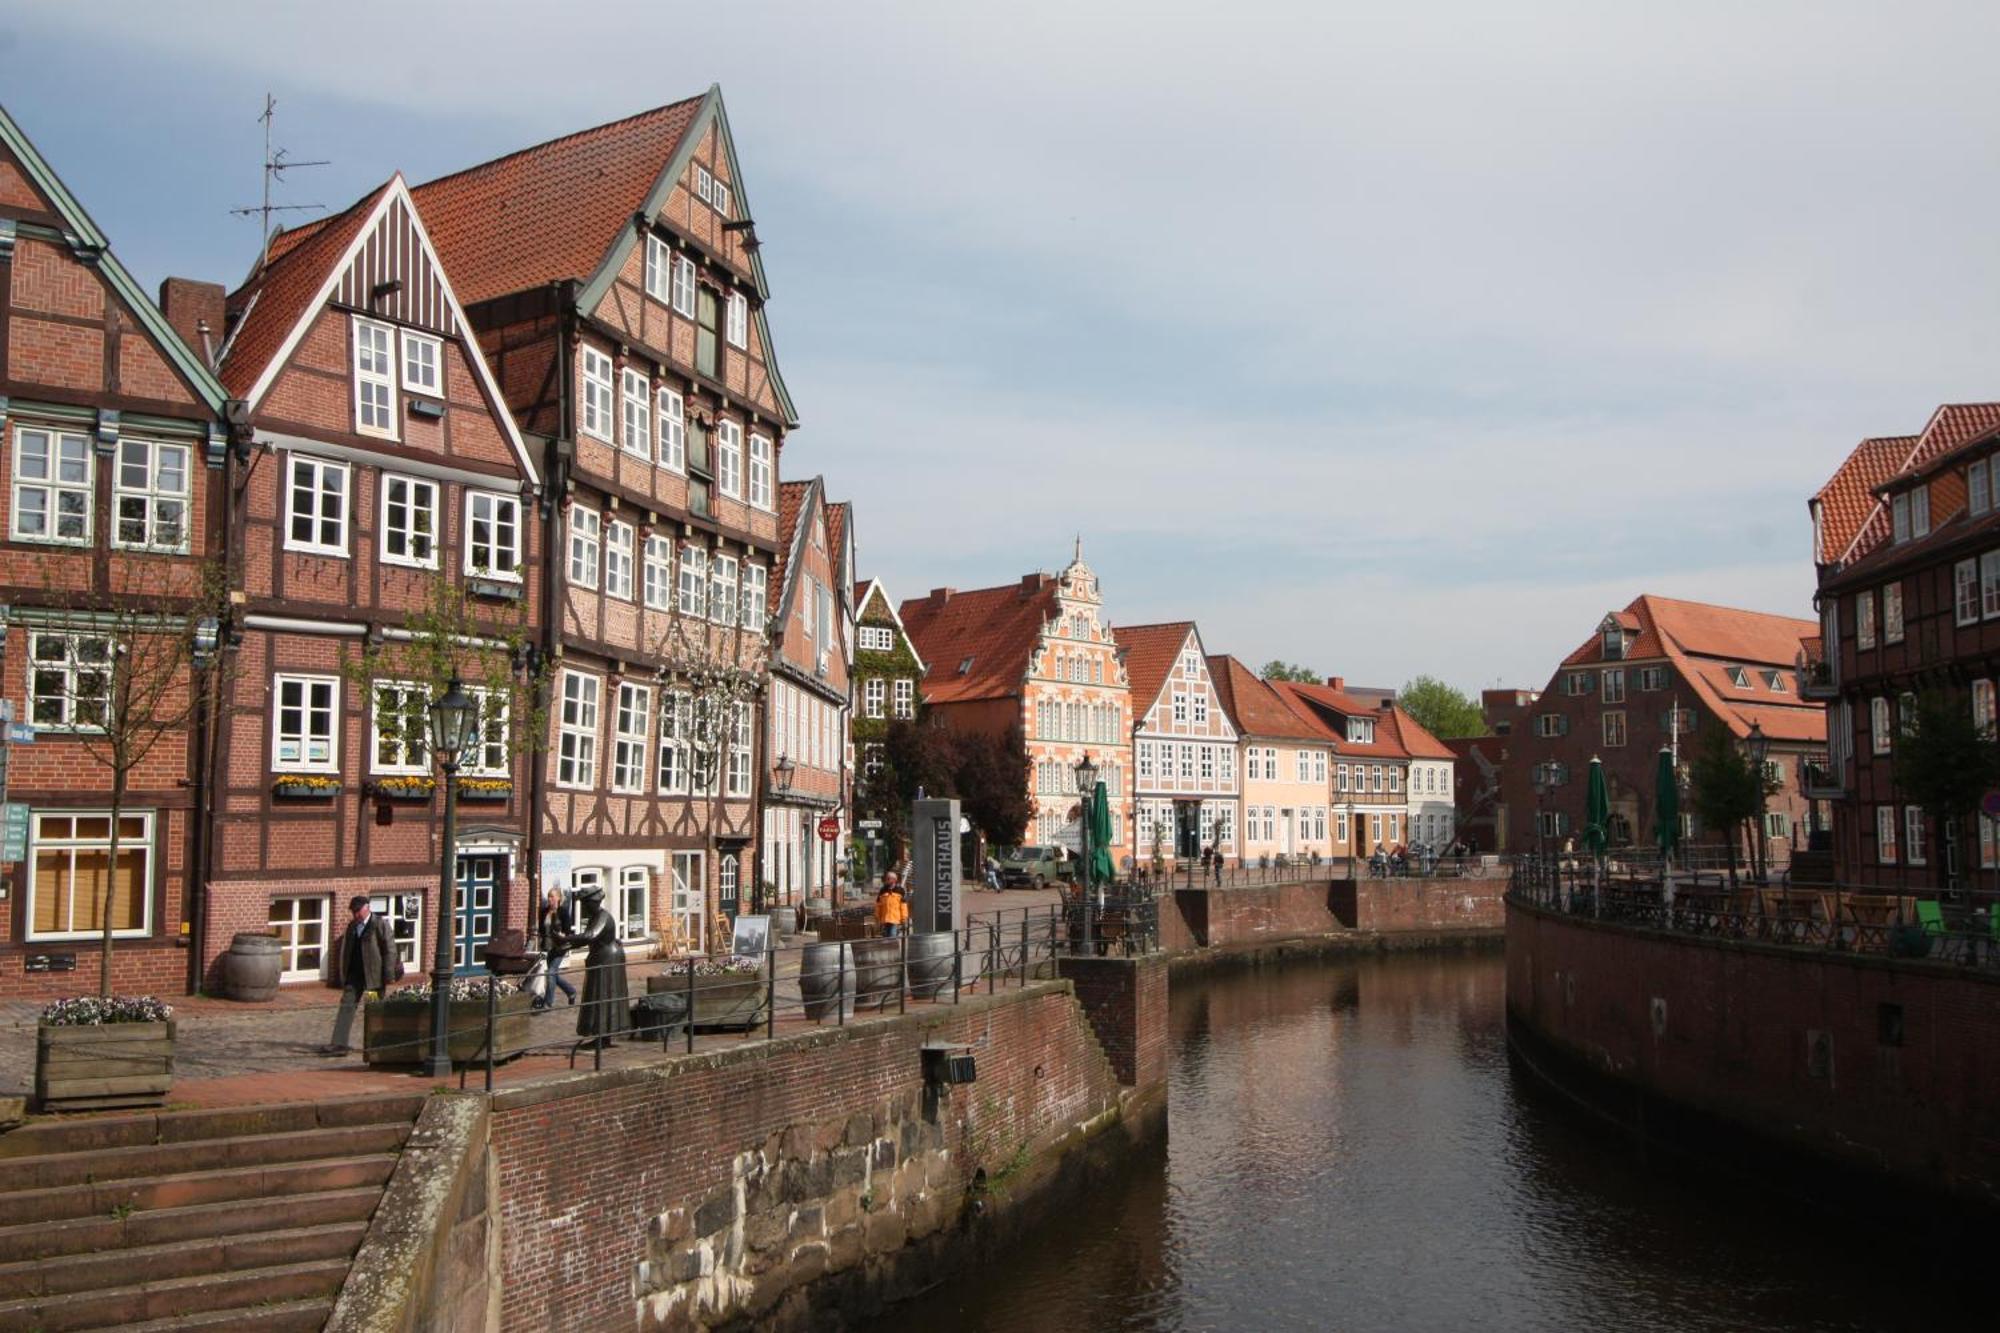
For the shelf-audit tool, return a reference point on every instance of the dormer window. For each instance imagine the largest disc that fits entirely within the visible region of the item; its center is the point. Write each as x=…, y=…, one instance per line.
x=1910, y=515
x=1614, y=644
x=1739, y=678
x=1361, y=731
x=965, y=666
x=1774, y=681
x=1979, y=487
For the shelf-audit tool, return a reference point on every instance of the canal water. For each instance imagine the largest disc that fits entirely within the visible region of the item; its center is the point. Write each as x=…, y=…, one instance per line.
x=1348, y=1149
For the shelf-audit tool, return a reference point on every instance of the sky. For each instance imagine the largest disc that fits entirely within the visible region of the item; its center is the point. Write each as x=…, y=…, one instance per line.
x=1383, y=339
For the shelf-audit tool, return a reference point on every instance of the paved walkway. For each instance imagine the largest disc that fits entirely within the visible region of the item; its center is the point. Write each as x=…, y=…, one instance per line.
x=228, y=1053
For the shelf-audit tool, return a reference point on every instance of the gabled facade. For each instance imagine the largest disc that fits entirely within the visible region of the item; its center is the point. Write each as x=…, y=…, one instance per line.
x=1038, y=655
x=1371, y=767
x=887, y=674
x=615, y=280
x=808, y=716
x=380, y=467
x=1907, y=539
x=1186, y=792
x=111, y=432
x=1285, y=756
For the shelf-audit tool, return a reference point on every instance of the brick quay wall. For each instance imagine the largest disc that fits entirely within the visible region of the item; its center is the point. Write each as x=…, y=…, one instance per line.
x=1780, y=1061
x=809, y=1181
x=1214, y=924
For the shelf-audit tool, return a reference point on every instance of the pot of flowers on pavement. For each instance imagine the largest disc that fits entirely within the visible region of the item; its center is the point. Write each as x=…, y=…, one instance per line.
x=396, y=1029
x=730, y=990
x=94, y=1053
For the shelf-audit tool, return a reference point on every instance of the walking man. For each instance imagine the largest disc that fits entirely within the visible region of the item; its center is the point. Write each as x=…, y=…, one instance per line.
x=555, y=944
x=366, y=961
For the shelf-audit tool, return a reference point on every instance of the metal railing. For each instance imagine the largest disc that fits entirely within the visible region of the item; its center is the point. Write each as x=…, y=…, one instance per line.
x=1962, y=930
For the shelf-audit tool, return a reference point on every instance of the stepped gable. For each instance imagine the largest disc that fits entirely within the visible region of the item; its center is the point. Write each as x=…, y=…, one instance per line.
x=977, y=644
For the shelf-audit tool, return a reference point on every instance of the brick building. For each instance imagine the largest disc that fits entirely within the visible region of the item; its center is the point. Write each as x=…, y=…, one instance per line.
x=1039, y=655
x=1186, y=796
x=615, y=280
x=382, y=471
x=808, y=716
x=1906, y=538
x=112, y=430
x=1657, y=666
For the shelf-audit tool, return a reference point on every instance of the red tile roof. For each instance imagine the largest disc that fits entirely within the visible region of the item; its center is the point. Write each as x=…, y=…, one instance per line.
x=1150, y=653
x=1323, y=701
x=836, y=533
x=989, y=632
x=791, y=499
x=275, y=298
x=552, y=211
x=1853, y=519
x=1417, y=739
x=1258, y=710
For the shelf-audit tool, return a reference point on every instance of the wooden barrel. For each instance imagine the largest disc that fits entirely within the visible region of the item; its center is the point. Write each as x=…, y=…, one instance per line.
x=878, y=967
x=826, y=978
x=250, y=969
x=930, y=963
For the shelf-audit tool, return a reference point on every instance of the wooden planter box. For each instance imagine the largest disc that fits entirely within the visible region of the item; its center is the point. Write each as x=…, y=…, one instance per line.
x=91, y=1068
x=398, y=1034
x=719, y=1002
x=466, y=793
x=302, y=791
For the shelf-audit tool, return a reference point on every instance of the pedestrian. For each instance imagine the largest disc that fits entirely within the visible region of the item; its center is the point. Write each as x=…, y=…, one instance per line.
x=366, y=961
x=892, y=912
x=607, y=1003
x=992, y=873
x=555, y=928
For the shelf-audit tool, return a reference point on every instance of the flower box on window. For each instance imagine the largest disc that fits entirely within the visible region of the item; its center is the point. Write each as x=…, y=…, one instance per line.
x=404, y=788
x=305, y=785
x=485, y=789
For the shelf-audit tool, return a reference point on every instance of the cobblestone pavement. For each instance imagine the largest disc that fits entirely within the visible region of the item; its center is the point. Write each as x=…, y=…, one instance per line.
x=216, y=1038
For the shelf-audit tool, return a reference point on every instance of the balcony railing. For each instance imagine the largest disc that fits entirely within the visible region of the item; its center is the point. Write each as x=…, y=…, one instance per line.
x=1820, y=779
x=1816, y=676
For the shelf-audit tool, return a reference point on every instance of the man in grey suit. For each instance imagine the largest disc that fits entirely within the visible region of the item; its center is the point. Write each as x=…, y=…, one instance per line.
x=364, y=961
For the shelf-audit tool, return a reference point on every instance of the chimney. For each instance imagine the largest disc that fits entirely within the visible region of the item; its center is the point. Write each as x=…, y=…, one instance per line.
x=1336, y=682
x=939, y=596
x=1034, y=583
x=195, y=309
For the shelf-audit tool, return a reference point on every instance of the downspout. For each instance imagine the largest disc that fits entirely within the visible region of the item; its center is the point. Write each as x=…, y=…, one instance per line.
x=555, y=481
x=208, y=709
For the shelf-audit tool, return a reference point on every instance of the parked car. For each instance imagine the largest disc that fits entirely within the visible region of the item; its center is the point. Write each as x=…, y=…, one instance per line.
x=1034, y=867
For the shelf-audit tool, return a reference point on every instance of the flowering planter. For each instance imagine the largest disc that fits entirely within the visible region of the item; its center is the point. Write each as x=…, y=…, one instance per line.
x=397, y=1033
x=719, y=1002
x=487, y=789
x=304, y=789
x=403, y=789
x=92, y=1067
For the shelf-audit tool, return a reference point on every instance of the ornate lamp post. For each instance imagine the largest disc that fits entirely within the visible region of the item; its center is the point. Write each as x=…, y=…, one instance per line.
x=454, y=715
x=1759, y=747
x=1086, y=787
x=781, y=773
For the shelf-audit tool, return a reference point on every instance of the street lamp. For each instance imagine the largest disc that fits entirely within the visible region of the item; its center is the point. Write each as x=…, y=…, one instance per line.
x=454, y=714
x=1759, y=747
x=1086, y=787
x=784, y=769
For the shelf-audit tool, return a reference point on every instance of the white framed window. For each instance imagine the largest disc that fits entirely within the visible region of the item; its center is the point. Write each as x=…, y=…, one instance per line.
x=1885, y=834
x=729, y=459
x=303, y=735
x=1978, y=487
x=694, y=581
x=586, y=530
x=722, y=603
x=1983, y=706
x=491, y=751
x=1864, y=619
x=618, y=542
x=316, y=495
x=403, y=915
x=493, y=535
x=876, y=639
x=596, y=394
x=756, y=596
x=409, y=521
x=423, y=364
x=374, y=378
x=628, y=737
x=53, y=487
x=69, y=681
x=635, y=902
x=1652, y=679
x=658, y=578
x=1965, y=597
x=636, y=402
x=1914, y=851
x=904, y=697
x=1920, y=512
x=659, y=269
x=1614, y=729
x=1207, y=760
x=704, y=184
x=739, y=751
x=875, y=697
x=1200, y=704
x=1614, y=686
x=684, y=286
x=1892, y=613
x=761, y=472
x=399, y=727
x=673, y=430
x=1879, y=729
x=300, y=925
x=721, y=199
x=736, y=324
x=1989, y=585
x=576, y=757
x=1302, y=765
x=149, y=496
x=72, y=880
x=674, y=757
x=1375, y=776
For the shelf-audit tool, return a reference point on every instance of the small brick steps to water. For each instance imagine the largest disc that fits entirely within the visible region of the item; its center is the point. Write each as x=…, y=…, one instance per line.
x=247, y=1218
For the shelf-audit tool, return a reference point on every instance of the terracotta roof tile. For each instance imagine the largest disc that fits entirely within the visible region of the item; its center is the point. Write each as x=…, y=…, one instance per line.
x=1150, y=652
x=1847, y=502
x=836, y=532
x=1258, y=710
x=1666, y=623
x=1324, y=700
x=276, y=297
x=990, y=632
x=552, y=211
x=1417, y=739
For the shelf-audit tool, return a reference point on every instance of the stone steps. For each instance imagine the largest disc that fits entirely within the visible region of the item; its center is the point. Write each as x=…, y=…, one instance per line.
x=244, y=1218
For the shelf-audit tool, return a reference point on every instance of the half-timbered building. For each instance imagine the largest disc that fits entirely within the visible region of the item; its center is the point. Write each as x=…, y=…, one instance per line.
x=1186, y=796
x=112, y=430
x=382, y=472
x=615, y=279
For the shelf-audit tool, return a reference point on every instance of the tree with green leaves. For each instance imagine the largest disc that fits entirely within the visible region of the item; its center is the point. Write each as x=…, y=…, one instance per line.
x=1445, y=711
x=988, y=774
x=1279, y=669
x=1945, y=762
x=1727, y=789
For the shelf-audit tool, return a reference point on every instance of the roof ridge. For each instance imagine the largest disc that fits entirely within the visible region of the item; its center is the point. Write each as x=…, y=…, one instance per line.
x=559, y=139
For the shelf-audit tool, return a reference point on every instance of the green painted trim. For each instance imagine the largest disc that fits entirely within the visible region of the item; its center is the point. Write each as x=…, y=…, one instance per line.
x=198, y=376
x=129, y=423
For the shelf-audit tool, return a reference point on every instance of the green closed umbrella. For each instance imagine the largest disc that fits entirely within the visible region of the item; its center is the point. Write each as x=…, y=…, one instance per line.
x=1596, y=810
x=1100, y=836
x=1666, y=804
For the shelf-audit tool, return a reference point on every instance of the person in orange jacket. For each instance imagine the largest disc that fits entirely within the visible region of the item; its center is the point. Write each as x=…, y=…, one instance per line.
x=892, y=911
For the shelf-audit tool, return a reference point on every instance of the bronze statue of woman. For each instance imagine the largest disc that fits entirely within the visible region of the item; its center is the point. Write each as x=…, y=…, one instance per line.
x=606, y=1011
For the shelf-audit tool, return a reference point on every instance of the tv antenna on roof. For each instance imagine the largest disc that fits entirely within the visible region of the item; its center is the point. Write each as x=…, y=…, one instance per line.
x=275, y=167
